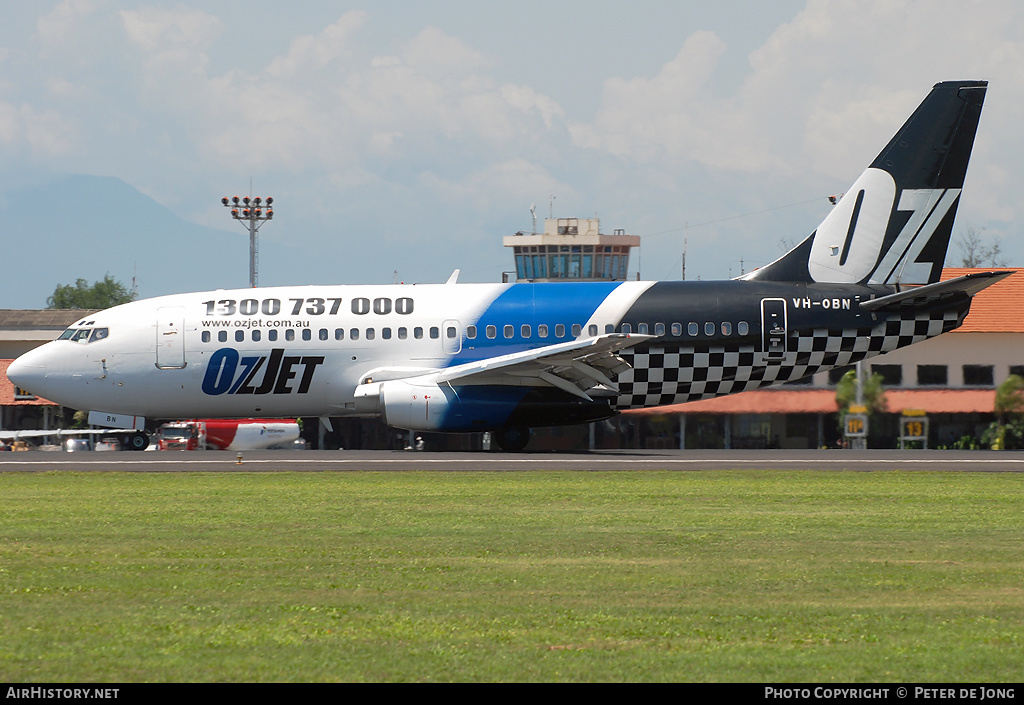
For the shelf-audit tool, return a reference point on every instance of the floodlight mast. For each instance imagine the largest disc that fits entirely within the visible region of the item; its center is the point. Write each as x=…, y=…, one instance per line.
x=253, y=212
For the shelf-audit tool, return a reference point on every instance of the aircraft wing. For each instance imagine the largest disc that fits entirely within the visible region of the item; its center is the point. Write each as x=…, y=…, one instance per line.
x=924, y=296
x=577, y=367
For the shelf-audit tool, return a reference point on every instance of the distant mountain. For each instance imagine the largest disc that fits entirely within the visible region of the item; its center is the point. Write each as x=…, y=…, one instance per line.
x=88, y=226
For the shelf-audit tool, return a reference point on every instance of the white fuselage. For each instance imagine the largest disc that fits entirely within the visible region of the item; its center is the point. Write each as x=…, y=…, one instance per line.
x=290, y=351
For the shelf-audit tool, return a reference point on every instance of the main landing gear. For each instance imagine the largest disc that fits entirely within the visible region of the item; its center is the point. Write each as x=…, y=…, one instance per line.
x=512, y=439
x=136, y=441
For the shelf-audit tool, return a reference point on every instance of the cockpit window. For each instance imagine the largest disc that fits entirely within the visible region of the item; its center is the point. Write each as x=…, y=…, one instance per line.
x=84, y=335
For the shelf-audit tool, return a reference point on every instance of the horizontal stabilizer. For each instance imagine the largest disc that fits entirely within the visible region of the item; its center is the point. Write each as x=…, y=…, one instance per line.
x=924, y=296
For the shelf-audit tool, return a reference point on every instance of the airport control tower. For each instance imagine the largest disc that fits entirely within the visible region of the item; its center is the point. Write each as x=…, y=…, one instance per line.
x=572, y=249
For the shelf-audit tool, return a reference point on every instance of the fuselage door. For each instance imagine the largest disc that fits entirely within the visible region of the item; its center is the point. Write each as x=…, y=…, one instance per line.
x=451, y=337
x=170, y=337
x=773, y=329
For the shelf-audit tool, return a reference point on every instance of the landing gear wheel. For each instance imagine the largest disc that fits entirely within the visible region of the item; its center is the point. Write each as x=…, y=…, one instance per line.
x=512, y=439
x=138, y=441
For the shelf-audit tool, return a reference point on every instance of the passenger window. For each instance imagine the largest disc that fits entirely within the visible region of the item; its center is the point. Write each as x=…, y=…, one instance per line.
x=592, y=330
x=323, y=334
x=353, y=334
x=677, y=329
x=307, y=334
x=659, y=329
x=371, y=333
x=256, y=335
x=492, y=332
x=239, y=336
x=339, y=333
x=222, y=336
x=271, y=335
x=509, y=331
x=559, y=330
x=385, y=333
x=576, y=330
x=691, y=328
x=289, y=335
x=403, y=333
x=451, y=332
x=417, y=332
x=542, y=330
x=626, y=328
x=471, y=332
x=525, y=331
x=609, y=328
x=435, y=332
x=206, y=336
x=742, y=328
x=642, y=329
x=726, y=328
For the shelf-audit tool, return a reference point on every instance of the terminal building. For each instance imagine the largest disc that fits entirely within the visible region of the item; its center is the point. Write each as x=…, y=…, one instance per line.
x=572, y=249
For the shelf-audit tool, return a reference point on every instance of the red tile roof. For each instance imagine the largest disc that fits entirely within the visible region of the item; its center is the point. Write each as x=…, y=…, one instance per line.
x=997, y=309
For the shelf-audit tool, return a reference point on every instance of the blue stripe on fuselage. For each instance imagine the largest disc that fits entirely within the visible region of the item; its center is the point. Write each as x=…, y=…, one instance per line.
x=533, y=305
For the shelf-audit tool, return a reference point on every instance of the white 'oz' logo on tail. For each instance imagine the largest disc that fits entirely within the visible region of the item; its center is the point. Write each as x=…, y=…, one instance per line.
x=848, y=244
x=928, y=207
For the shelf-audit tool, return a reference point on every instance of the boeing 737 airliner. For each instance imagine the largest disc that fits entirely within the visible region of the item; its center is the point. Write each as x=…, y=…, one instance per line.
x=507, y=357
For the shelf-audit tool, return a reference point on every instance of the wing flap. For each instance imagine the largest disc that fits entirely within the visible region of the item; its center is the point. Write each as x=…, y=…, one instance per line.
x=583, y=363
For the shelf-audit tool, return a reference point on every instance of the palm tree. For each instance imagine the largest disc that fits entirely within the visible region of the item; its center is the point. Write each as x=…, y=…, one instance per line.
x=1009, y=403
x=872, y=395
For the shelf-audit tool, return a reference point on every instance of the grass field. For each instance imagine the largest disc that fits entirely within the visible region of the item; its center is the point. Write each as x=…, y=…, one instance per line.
x=526, y=576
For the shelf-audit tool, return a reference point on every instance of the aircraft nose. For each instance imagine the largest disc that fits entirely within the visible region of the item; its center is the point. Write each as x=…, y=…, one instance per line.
x=28, y=372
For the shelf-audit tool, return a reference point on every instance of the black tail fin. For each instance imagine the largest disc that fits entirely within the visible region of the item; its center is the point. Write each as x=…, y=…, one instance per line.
x=893, y=225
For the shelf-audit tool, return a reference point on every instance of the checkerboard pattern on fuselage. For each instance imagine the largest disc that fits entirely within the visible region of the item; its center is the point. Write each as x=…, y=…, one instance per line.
x=673, y=373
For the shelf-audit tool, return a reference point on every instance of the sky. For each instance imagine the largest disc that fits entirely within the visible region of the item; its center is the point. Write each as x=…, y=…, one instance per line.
x=403, y=139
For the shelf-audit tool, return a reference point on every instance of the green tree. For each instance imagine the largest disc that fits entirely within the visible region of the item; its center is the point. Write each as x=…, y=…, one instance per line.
x=102, y=294
x=1007, y=431
x=974, y=252
x=873, y=395
x=874, y=392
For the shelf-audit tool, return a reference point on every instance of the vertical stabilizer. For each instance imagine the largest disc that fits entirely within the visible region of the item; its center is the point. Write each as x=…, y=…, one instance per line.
x=893, y=225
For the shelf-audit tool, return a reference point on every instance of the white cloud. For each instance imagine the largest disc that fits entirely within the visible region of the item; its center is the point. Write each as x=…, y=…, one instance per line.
x=671, y=116
x=10, y=124
x=55, y=27
x=376, y=109
x=526, y=100
x=314, y=52
x=441, y=56
x=498, y=185
x=173, y=40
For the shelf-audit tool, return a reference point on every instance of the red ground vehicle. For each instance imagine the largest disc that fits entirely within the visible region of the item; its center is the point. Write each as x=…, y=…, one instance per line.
x=226, y=434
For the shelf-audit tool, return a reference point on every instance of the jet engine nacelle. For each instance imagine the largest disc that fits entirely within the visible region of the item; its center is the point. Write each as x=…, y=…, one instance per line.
x=423, y=407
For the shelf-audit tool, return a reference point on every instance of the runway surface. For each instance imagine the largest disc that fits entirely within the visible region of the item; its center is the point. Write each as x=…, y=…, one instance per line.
x=619, y=460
